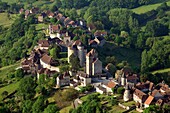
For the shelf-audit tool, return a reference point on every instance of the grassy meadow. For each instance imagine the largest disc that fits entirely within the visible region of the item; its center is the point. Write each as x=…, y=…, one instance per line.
x=6, y=20
x=4, y=71
x=9, y=88
x=146, y=8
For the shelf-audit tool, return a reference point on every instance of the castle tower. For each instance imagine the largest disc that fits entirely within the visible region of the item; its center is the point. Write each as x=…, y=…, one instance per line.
x=90, y=56
x=81, y=54
x=123, y=80
x=70, y=52
x=127, y=96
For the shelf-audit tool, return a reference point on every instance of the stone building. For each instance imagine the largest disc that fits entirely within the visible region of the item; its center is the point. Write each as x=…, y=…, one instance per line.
x=63, y=79
x=93, y=64
x=127, y=95
x=78, y=50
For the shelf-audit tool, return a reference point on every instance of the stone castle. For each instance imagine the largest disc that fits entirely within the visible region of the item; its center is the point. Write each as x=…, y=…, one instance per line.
x=78, y=50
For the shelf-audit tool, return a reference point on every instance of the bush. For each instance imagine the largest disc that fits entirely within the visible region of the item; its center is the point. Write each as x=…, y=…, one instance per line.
x=120, y=90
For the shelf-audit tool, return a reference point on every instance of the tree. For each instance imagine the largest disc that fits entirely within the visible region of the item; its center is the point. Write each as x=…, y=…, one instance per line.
x=113, y=90
x=4, y=94
x=19, y=73
x=38, y=106
x=120, y=90
x=27, y=106
x=51, y=109
x=69, y=94
x=154, y=28
x=166, y=108
x=55, y=52
x=111, y=59
x=152, y=108
x=75, y=62
x=143, y=77
x=112, y=69
x=26, y=89
x=113, y=101
x=118, y=40
x=53, y=20
x=54, y=8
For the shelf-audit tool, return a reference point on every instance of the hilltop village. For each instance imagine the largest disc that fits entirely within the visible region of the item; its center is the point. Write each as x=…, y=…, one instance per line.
x=80, y=66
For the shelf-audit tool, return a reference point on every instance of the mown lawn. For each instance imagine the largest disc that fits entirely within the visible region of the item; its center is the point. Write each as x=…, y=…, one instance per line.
x=4, y=71
x=9, y=88
x=6, y=20
x=146, y=8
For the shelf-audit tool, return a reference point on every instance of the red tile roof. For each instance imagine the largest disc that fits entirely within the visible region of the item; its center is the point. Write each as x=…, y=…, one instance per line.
x=44, y=43
x=46, y=59
x=139, y=93
x=111, y=84
x=149, y=100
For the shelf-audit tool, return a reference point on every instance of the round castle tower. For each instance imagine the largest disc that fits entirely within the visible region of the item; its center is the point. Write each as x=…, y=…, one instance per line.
x=126, y=96
x=81, y=54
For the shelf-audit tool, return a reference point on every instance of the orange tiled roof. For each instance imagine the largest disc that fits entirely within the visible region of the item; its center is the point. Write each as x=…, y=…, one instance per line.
x=149, y=100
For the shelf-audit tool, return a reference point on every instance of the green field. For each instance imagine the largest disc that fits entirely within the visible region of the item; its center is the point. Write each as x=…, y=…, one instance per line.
x=41, y=26
x=6, y=20
x=146, y=8
x=161, y=71
x=4, y=71
x=9, y=1
x=9, y=88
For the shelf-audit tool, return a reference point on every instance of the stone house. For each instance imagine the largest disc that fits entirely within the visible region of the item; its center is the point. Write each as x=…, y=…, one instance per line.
x=54, y=31
x=47, y=62
x=27, y=13
x=43, y=44
x=139, y=97
x=100, y=89
x=109, y=86
x=41, y=17
x=63, y=79
x=81, y=78
x=45, y=71
x=93, y=64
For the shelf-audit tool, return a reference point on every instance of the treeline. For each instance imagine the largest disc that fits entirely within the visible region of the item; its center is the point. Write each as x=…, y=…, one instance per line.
x=17, y=40
x=11, y=8
x=109, y=4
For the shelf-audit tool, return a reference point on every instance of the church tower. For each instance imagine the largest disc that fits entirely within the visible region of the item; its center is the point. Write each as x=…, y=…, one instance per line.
x=127, y=96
